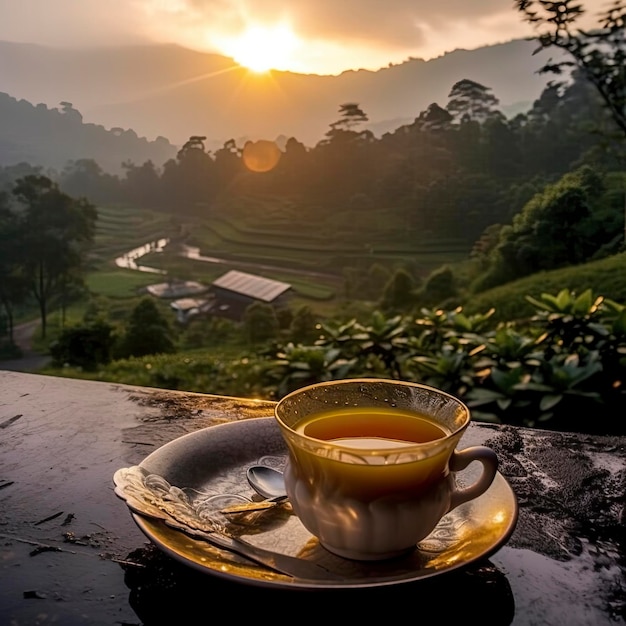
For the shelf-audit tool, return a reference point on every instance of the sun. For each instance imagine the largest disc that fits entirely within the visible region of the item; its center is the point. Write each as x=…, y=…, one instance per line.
x=262, y=48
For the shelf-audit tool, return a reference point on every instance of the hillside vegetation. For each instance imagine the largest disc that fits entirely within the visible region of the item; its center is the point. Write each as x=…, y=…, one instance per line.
x=606, y=277
x=480, y=254
x=498, y=330
x=432, y=329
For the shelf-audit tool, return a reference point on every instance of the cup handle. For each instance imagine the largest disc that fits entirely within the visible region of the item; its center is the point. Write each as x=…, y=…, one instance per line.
x=460, y=460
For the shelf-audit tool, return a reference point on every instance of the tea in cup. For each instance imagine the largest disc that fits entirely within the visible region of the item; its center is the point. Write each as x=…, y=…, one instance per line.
x=372, y=463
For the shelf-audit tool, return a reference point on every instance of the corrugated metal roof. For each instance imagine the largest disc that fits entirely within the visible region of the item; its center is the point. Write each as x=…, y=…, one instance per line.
x=250, y=285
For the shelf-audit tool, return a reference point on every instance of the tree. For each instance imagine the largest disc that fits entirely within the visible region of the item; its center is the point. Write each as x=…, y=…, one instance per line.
x=471, y=101
x=600, y=54
x=228, y=163
x=67, y=109
x=190, y=179
x=439, y=288
x=399, y=293
x=343, y=163
x=195, y=142
x=260, y=322
x=553, y=230
x=148, y=332
x=304, y=325
x=351, y=115
x=142, y=184
x=293, y=166
x=434, y=118
x=343, y=130
x=87, y=346
x=85, y=178
x=13, y=286
x=55, y=232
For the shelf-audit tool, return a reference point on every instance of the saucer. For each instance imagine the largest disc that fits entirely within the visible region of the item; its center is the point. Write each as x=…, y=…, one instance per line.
x=206, y=471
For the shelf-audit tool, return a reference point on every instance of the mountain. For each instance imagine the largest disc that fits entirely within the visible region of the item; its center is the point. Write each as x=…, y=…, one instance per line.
x=52, y=137
x=172, y=92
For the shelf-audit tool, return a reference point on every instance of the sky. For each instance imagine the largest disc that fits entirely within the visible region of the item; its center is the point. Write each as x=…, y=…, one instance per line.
x=304, y=36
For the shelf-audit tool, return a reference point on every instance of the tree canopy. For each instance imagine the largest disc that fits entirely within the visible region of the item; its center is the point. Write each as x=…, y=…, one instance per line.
x=599, y=54
x=554, y=229
x=53, y=233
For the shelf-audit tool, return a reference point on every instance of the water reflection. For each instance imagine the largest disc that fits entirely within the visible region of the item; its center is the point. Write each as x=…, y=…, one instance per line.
x=129, y=259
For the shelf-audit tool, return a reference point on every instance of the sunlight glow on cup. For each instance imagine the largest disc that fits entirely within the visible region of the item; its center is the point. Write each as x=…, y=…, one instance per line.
x=372, y=463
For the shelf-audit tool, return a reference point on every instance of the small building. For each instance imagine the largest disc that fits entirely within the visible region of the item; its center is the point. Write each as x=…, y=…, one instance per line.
x=186, y=308
x=235, y=291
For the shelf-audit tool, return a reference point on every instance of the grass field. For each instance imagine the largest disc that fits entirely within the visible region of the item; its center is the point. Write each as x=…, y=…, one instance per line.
x=118, y=283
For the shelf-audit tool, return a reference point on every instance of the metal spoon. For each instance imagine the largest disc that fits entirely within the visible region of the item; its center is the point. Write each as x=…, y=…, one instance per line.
x=267, y=482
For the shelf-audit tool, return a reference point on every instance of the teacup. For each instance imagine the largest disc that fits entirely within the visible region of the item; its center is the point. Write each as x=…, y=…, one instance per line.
x=372, y=463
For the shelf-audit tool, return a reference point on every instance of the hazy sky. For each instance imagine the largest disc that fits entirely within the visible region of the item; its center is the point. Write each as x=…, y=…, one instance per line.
x=321, y=36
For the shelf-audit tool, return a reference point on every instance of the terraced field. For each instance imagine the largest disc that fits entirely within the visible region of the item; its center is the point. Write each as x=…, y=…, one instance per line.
x=121, y=228
x=268, y=236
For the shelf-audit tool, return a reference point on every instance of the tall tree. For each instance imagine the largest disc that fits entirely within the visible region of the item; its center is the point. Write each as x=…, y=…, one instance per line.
x=13, y=287
x=342, y=158
x=228, y=163
x=193, y=175
x=599, y=54
x=351, y=115
x=55, y=233
x=434, y=118
x=142, y=184
x=471, y=101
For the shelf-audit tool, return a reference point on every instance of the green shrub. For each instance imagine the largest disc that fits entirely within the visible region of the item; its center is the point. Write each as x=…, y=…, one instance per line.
x=564, y=368
x=84, y=346
x=147, y=332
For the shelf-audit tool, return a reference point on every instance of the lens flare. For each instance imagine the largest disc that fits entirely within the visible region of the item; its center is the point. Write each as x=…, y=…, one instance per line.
x=261, y=156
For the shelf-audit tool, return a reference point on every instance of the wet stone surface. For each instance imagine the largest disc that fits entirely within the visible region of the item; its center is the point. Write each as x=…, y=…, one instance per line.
x=70, y=552
x=166, y=415
x=567, y=486
x=571, y=491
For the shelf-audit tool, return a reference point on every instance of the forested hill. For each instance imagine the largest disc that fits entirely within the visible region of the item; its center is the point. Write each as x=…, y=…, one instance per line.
x=52, y=137
x=169, y=91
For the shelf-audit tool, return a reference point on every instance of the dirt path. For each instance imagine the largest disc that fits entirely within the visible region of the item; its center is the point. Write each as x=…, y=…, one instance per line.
x=31, y=361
